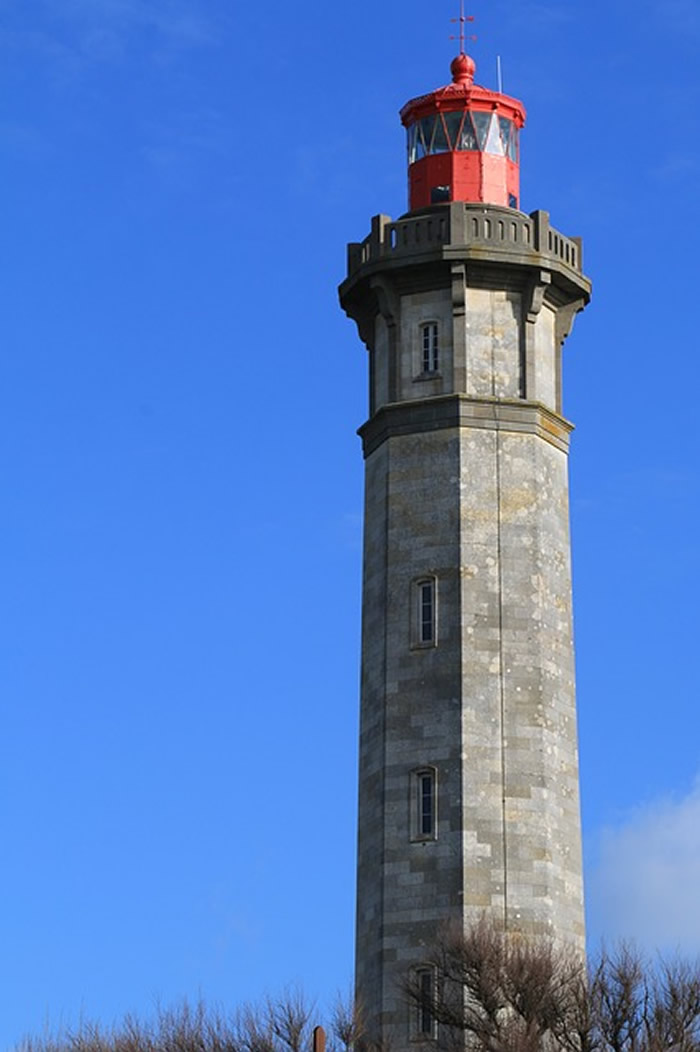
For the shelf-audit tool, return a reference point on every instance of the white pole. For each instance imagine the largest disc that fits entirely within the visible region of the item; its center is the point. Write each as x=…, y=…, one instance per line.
x=500, y=77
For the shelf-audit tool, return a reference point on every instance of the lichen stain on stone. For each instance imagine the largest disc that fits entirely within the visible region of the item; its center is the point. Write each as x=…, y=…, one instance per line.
x=479, y=516
x=515, y=501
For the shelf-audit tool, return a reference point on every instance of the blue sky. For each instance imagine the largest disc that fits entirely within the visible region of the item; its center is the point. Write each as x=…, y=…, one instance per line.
x=182, y=484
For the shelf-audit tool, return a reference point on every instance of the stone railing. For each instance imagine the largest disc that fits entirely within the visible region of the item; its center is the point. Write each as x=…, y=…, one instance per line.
x=464, y=224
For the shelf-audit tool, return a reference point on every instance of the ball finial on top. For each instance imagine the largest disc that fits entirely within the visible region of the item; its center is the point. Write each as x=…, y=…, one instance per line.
x=463, y=68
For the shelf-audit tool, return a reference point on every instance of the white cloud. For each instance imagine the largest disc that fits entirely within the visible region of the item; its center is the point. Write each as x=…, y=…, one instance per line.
x=646, y=885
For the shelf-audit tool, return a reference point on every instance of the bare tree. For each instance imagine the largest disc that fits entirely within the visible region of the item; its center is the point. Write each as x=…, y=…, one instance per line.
x=504, y=993
x=491, y=993
x=289, y=1018
x=346, y=1023
x=278, y=1025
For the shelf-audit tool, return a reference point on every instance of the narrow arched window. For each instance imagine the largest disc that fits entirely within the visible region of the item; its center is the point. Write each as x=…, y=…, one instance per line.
x=424, y=993
x=424, y=804
x=424, y=612
x=430, y=347
x=427, y=611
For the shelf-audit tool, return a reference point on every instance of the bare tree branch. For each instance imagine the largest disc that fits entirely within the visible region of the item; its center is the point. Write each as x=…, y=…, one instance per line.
x=506, y=993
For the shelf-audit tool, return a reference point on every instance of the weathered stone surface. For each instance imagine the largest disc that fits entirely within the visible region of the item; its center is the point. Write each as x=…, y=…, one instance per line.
x=466, y=485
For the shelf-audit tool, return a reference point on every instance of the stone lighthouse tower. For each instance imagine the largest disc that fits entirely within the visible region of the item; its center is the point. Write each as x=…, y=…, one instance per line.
x=468, y=783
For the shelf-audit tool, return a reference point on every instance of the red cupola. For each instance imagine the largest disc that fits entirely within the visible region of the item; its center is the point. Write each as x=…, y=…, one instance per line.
x=463, y=143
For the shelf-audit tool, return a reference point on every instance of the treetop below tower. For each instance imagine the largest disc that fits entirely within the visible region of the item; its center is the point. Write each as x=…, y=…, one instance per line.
x=463, y=143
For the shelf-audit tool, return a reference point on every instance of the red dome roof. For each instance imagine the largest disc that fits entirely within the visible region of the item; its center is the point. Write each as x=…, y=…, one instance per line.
x=463, y=68
x=463, y=92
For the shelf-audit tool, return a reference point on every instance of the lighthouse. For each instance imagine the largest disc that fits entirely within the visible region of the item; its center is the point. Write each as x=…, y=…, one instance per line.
x=468, y=770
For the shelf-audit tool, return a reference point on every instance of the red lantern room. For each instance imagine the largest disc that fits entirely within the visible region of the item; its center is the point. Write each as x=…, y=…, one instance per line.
x=463, y=143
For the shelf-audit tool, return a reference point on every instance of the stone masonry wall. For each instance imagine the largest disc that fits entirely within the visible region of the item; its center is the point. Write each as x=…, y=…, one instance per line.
x=466, y=486
x=491, y=707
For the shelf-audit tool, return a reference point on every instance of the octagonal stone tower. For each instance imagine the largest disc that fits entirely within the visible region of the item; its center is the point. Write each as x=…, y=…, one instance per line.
x=468, y=782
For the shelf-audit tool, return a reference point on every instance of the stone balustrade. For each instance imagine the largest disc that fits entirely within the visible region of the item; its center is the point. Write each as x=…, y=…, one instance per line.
x=470, y=226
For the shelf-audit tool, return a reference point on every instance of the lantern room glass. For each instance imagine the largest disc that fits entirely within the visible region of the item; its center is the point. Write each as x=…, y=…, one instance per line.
x=462, y=130
x=453, y=123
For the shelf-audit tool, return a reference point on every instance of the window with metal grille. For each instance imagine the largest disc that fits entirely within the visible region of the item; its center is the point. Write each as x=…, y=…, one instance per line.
x=425, y=995
x=430, y=347
x=424, y=804
x=424, y=612
x=426, y=817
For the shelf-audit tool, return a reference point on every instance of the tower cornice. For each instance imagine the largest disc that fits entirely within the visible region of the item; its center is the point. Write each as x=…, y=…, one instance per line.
x=463, y=411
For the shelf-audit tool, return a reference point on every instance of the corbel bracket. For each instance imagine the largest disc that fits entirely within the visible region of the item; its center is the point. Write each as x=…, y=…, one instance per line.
x=459, y=326
x=535, y=294
x=387, y=300
x=459, y=289
x=565, y=319
x=365, y=326
x=389, y=305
